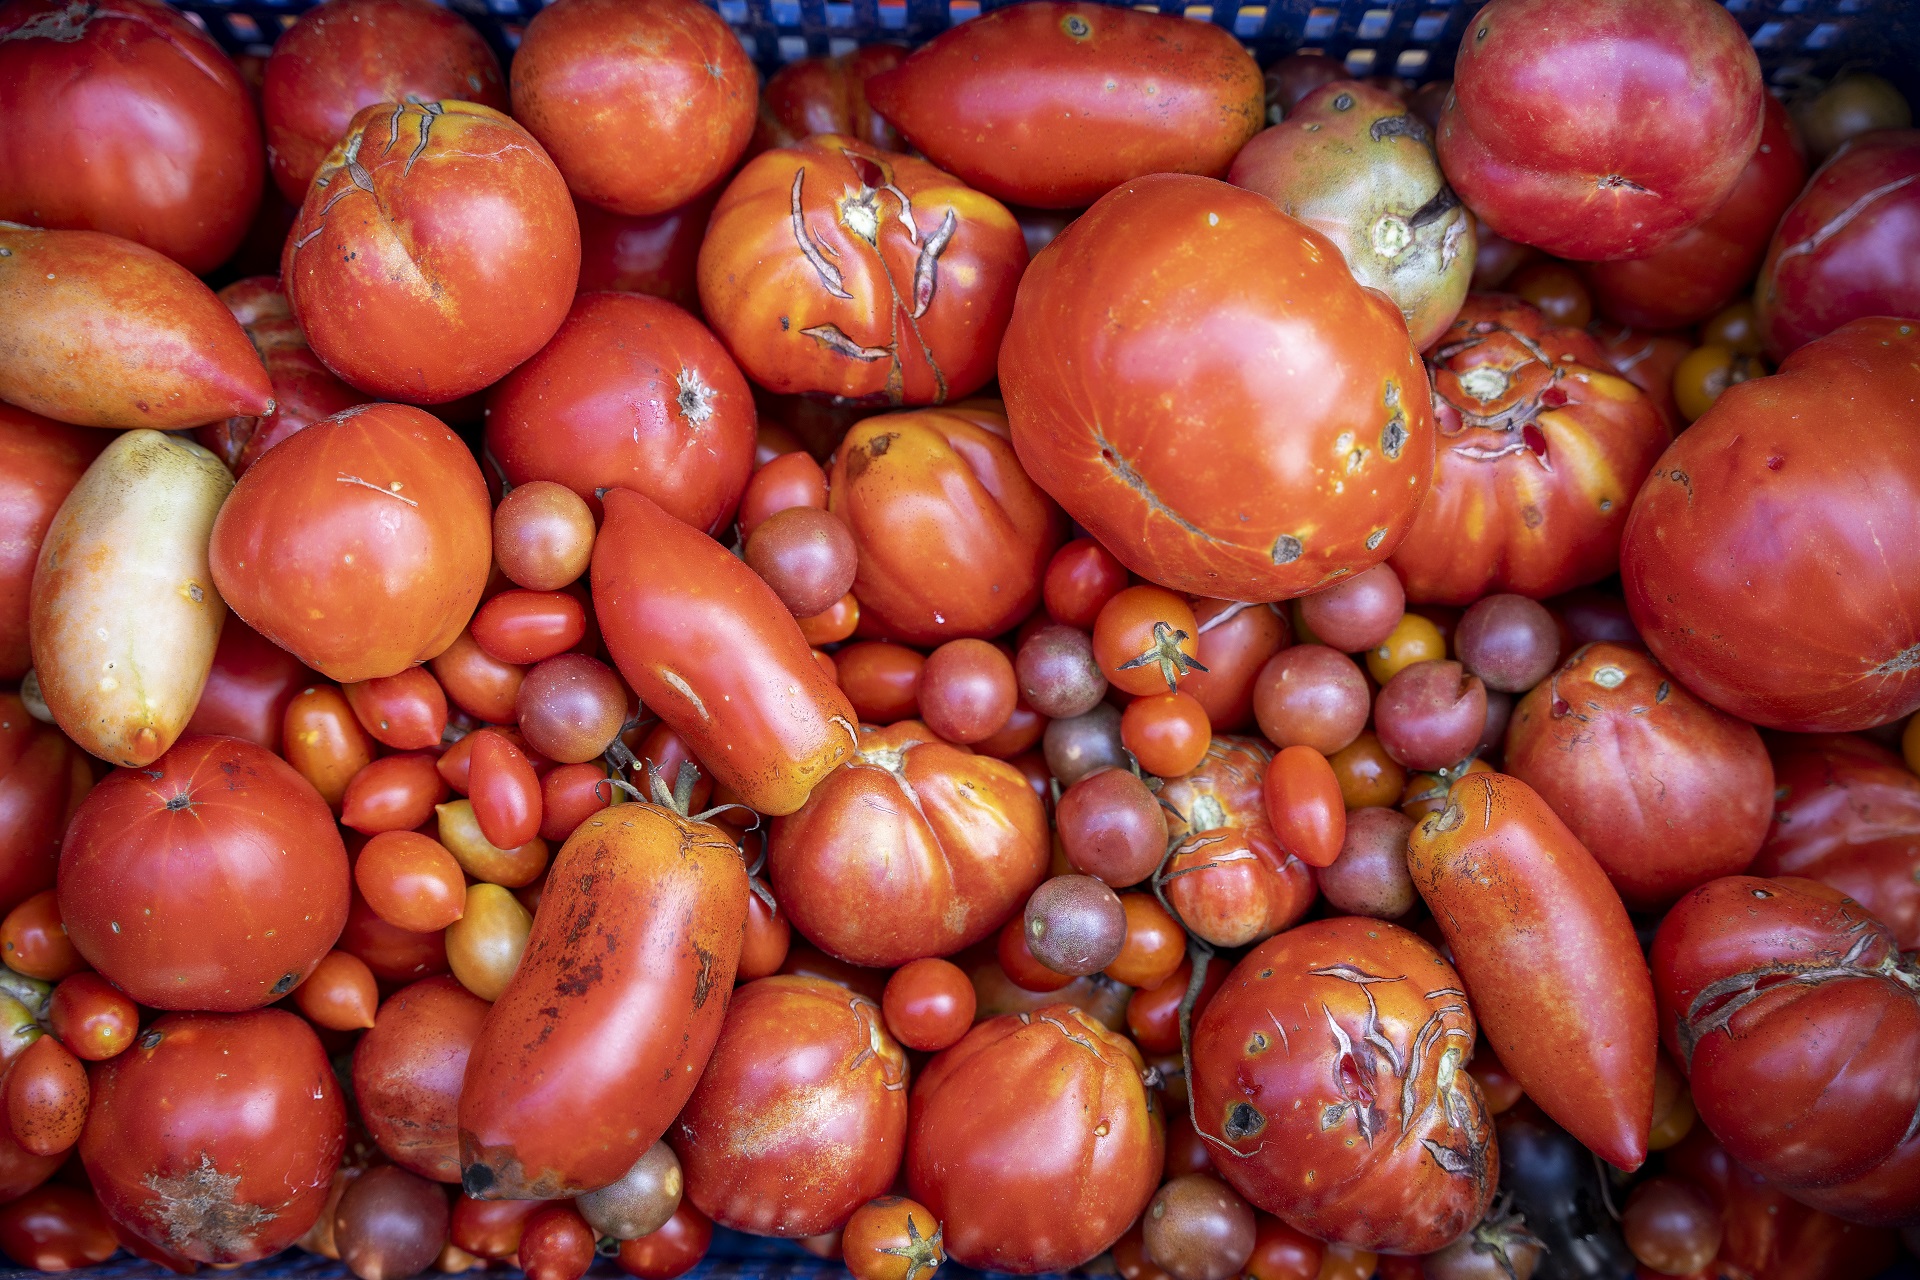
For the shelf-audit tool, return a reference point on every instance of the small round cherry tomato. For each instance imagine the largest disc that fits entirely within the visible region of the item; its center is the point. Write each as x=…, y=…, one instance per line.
x=57, y=1228
x=478, y=683
x=325, y=742
x=1282, y=1253
x=1019, y=963
x=1153, y=1013
x=407, y=712
x=1497, y=1084
x=1112, y=827
x=411, y=881
x=393, y=793
x=389, y=1223
x=523, y=627
x=892, y=1238
x=1168, y=733
x=928, y=1004
x=673, y=1250
x=34, y=942
x=485, y=944
x=570, y=707
x=1235, y=642
x=340, y=994
x=569, y=796
x=967, y=690
x=556, y=1244
x=92, y=1017
x=1705, y=373
x=1311, y=695
x=1357, y=613
x=1368, y=776
x=806, y=555
x=491, y=1228
x=788, y=481
x=1080, y=579
x=768, y=937
x=481, y=858
x=542, y=535
x=881, y=680
x=504, y=791
x=1415, y=638
x=1154, y=947
x=833, y=626
x=1145, y=639
x=46, y=1097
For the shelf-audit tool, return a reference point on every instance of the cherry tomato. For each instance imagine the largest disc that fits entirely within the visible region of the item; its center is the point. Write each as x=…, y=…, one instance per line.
x=407, y=712
x=46, y=1095
x=394, y=954
x=410, y=881
x=967, y=691
x=1081, y=577
x=1146, y=640
x=1647, y=360
x=1367, y=775
x=1305, y=805
x=769, y=935
x=1154, y=946
x=1153, y=1013
x=478, y=683
x=1233, y=644
x=393, y=793
x=1281, y=1253
x=881, y=680
x=490, y=1229
x=57, y=1228
x=556, y=1244
x=340, y=994
x=840, y=620
x=92, y=1017
x=388, y=1222
x=325, y=741
x=1310, y=695
x=928, y=1004
x=504, y=792
x=790, y=480
x=1167, y=733
x=34, y=940
x=827, y=95
x=542, y=535
x=892, y=1238
x=1020, y=965
x=486, y=944
x=673, y=1250
x=1703, y=375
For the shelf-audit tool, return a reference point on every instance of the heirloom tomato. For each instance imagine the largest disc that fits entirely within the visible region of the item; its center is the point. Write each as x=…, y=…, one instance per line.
x=1226, y=789
x=407, y=1071
x=827, y=95
x=1648, y=361
x=251, y=685
x=40, y=462
x=1229, y=430
x=1235, y=885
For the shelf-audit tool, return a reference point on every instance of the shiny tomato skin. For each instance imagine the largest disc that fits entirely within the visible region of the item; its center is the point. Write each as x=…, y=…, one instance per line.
x=525, y=627
x=42, y=779
x=360, y=545
x=407, y=1071
x=216, y=1135
x=1054, y=104
x=1102, y=338
x=57, y=1228
x=1733, y=539
x=1546, y=134
x=1304, y=804
x=1537, y=461
x=212, y=879
x=1234, y=642
x=631, y=391
x=827, y=95
x=658, y=254
x=1648, y=361
x=249, y=688
x=673, y=1250
x=394, y=954
x=1033, y=1141
x=92, y=1017
x=40, y=462
x=128, y=120
x=406, y=711
x=1234, y=886
x=881, y=680
x=478, y=683
x=1081, y=577
x=880, y=302
x=324, y=742
x=1227, y=789
x=1284, y=1084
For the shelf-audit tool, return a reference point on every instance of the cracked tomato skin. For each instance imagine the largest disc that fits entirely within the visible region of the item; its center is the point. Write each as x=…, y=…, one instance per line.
x=1791, y=500
x=1357, y=1124
x=837, y=268
x=600, y=1036
x=216, y=1136
x=1547, y=134
x=423, y=220
x=1198, y=380
x=1541, y=449
x=632, y=392
x=1797, y=1020
x=1034, y=1141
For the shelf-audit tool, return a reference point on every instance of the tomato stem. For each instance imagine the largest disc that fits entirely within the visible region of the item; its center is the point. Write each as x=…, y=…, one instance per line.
x=1165, y=652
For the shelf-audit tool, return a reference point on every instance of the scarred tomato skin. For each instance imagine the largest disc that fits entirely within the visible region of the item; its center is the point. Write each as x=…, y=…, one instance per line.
x=1191, y=413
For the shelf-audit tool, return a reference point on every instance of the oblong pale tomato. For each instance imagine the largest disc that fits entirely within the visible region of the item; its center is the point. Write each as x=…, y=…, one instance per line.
x=1194, y=414
x=40, y=462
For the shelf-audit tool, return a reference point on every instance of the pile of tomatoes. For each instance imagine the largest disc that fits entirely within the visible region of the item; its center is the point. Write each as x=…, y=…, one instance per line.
x=865, y=660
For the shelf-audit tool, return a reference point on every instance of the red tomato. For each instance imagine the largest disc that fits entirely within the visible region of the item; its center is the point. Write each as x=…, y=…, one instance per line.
x=1233, y=642
x=393, y=793
x=1234, y=885
x=1021, y=967
x=673, y=1250
x=407, y=1072
x=251, y=685
x=1734, y=539
x=525, y=627
x=892, y=1238
x=34, y=940
x=478, y=683
x=406, y=711
x=556, y=1244
x=827, y=95
x=1316, y=429
x=785, y=481
x=410, y=881
x=1054, y=104
x=1144, y=640
x=1081, y=577
x=569, y=795
x=881, y=680
x=833, y=626
x=1167, y=733
x=1154, y=946
x=656, y=254
x=40, y=462
x=505, y=791
x=92, y=1017
x=212, y=879
x=42, y=779
x=928, y=1004
x=1648, y=361
x=57, y=1228
x=490, y=1228
x=46, y=1095
x=1226, y=789
x=340, y=994
x=394, y=954
x=216, y=1136
x=324, y=742
x=1304, y=804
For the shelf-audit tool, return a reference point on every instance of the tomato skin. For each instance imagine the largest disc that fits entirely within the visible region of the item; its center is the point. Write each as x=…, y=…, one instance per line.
x=1234, y=642
x=42, y=779
x=1005, y=1144
x=1227, y=789
x=479, y=683
x=40, y=462
x=57, y=1228
x=406, y=711
x=881, y=680
x=913, y=848
x=827, y=95
x=1091, y=354
x=405, y=564
x=410, y=881
x=928, y=1004
x=673, y=1250
x=504, y=790
x=709, y=648
x=864, y=307
x=787, y=480
x=1280, y=1095
x=1304, y=804
x=92, y=1017
x=212, y=879
x=407, y=1072
x=249, y=688
x=35, y=942
x=1648, y=361
x=1121, y=94
x=1235, y=885
x=323, y=741
x=394, y=954
x=490, y=1228
x=46, y=1096
x=1081, y=577
x=130, y=121
x=655, y=254
x=570, y=1080
x=1666, y=792
x=1730, y=543
x=393, y=793
x=1541, y=938
x=1564, y=449
x=252, y=1131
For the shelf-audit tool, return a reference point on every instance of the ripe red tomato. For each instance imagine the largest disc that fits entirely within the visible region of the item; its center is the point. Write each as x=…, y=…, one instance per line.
x=406, y=711
x=407, y=1071
x=43, y=777
x=1733, y=543
x=252, y=683
x=1226, y=789
x=216, y=1136
x=1315, y=427
x=673, y=1250
x=1542, y=447
x=324, y=742
x=1234, y=641
x=1304, y=804
x=394, y=954
x=92, y=1017
x=1235, y=885
x=57, y=1228
x=40, y=462
x=212, y=879
x=1054, y=104
x=411, y=881
x=1361, y=1124
x=1648, y=361
x=657, y=254
x=827, y=95
x=46, y=1097
x=1167, y=733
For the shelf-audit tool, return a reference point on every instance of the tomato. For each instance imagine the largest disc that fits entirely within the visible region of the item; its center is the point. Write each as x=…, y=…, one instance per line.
x=1167, y=733
x=1647, y=360
x=40, y=462
x=893, y=1238
x=214, y=879
x=1283, y=1085
x=1368, y=776
x=394, y=954
x=827, y=95
x=487, y=943
x=1054, y=104
x=1663, y=790
x=1546, y=135
x=34, y=940
x=216, y=1136
x=1845, y=248
x=1236, y=885
x=556, y=1244
x=881, y=680
x=479, y=684
x=351, y=54
x=841, y=620
x=884, y=280
x=407, y=1072
x=1315, y=429
x=1354, y=164
x=785, y=481
x=1281, y=1253
x=569, y=795
x=1226, y=789
x=1538, y=459
x=1154, y=947
x=406, y=711
x=631, y=391
x=340, y=994
x=504, y=791
x=377, y=516
x=711, y=650
x=1305, y=806
x=912, y=848
x=769, y=935
x=46, y=1096
x=1081, y=577
x=249, y=688
x=673, y=1250
x=420, y=221
x=128, y=120
x=92, y=1017
x=42, y=779
x=1567, y=1199
x=1712, y=261
x=1549, y=956
x=1232, y=644
x=1033, y=1141
x=490, y=1228
x=656, y=254
x=324, y=741
x=928, y=1004
x=57, y=1228
x=410, y=881
x=393, y=793
x=1735, y=537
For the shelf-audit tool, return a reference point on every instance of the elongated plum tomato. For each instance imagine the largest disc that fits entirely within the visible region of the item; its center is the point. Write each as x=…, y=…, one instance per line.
x=360, y=545
x=709, y=648
x=1144, y=338
x=837, y=268
x=212, y=879
x=40, y=462
x=1547, y=134
x=1054, y=104
x=1371, y=1098
x=422, y=219
x=1542, y=447
x=1731, y=544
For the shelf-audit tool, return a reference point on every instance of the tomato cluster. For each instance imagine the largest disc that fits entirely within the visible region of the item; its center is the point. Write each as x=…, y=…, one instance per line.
x=1050, y=649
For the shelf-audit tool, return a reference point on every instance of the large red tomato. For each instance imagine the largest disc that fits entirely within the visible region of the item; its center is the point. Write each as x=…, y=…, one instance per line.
x=1198, y=380
x=40, y=462
x=43, y=778
x=360, y=545
x=1551, y=136
x=1771, y=561
x=214, y=878
x=407, y=1072
x=216, y=1136
x=1542, y=447
x=129, y=119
